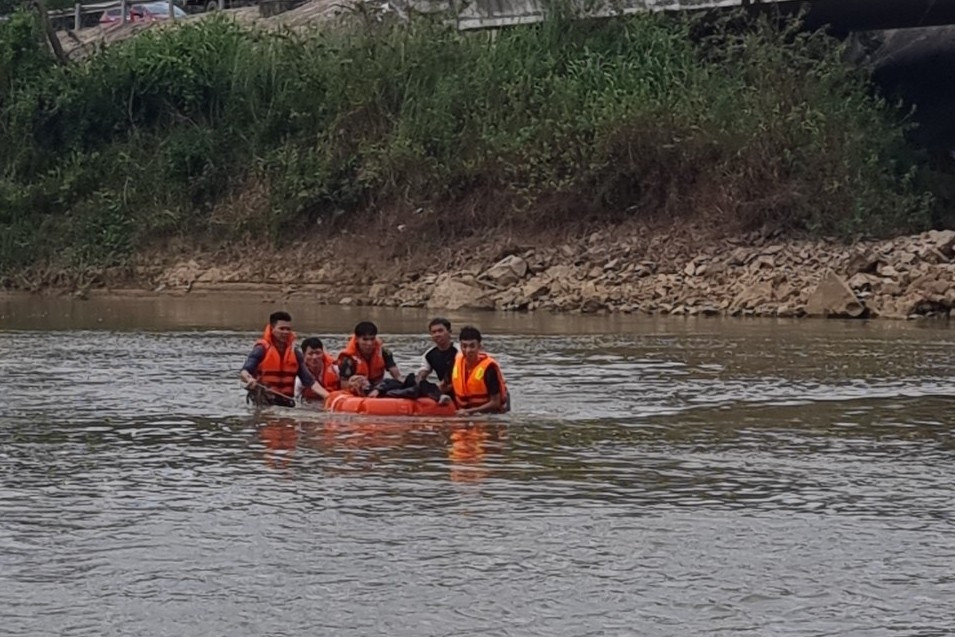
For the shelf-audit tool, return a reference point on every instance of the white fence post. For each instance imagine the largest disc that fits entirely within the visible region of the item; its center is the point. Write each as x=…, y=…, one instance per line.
x=77, y=16
x=125, y=11
x=172, y=11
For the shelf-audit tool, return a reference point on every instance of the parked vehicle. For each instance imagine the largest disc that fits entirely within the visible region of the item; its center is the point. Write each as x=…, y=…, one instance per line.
x=149, y=12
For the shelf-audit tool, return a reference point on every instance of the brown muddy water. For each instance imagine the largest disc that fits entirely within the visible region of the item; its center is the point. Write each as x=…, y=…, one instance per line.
x=657, y=477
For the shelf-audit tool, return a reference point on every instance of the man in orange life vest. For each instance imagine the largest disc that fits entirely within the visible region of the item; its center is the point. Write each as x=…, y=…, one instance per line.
x=275, y=362
x=365, y=356
x=476, y=378
x=321, y=366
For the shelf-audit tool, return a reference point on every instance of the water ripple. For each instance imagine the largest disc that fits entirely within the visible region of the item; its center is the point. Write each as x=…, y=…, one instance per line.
x=678, y=478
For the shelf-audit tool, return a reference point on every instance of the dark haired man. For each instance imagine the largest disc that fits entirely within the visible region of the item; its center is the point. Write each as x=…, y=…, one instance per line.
x=365, y=356
x=274, y=363
x=440, y=358
x=321, y=366
x=476, y=378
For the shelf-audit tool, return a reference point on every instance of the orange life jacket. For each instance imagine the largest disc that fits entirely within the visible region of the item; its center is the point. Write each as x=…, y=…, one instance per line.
x=373, y=370
x=472, y=391
x=329, y=379
x=277, y=370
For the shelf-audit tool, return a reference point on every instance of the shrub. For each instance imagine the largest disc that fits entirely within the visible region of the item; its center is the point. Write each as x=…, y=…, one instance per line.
x=564, y=120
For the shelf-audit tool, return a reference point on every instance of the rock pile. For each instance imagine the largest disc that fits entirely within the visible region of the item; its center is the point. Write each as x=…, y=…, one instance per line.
x=898, y=278
x=613, y=271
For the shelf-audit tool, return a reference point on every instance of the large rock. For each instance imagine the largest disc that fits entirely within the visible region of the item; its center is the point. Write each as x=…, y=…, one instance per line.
x=887, y=307
x=905, y=258
x=864, y=282
x=507, y=271
x=560, y=278
x=834, y=298
x=944, y=241
x=887, y=271
x=536, y=288
x=863, y=260
x=454, y=294
x=753, y=296
x=379, y=291
x=891, y=288
x=740, y=256
x=784, y=290
x=593, y=297
x=933, y=281
x=913, y=303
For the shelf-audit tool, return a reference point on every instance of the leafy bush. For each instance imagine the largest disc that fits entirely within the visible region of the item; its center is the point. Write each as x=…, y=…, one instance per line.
x=563, y=120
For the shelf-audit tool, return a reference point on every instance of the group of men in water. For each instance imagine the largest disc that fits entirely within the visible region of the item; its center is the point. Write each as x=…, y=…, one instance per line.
x=276, y=371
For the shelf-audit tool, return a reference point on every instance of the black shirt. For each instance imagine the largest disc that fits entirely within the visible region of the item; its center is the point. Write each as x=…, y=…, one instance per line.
x=441, y=362
x=492, y=379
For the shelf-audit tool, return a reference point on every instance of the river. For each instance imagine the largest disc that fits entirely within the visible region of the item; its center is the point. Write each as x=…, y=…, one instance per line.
x=656, y=477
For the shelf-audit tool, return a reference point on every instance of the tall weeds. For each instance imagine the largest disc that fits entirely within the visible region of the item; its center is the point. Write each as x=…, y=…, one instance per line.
x=542, y=124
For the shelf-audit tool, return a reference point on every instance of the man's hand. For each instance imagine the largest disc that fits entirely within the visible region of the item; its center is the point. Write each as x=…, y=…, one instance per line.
x=248, y=381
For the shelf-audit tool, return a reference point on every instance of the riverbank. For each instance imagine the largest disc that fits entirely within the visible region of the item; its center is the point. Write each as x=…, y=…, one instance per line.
x=630, y=268
x=212, y=136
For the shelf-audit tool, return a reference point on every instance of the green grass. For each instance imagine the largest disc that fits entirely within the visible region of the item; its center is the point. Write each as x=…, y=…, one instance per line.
x=164, y=134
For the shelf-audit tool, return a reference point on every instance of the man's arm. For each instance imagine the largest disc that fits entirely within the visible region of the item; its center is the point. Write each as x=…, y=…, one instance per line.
x=390, y=364
x=425, y=370
x=346, y=368
x=492, y=405
x=318, y=389
x=447, y=360
x=252, y=362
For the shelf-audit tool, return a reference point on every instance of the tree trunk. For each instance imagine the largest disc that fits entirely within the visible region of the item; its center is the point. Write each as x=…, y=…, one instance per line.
x=44, y=17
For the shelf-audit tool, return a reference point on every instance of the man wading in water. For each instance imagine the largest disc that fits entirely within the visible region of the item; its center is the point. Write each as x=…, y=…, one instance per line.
x=477, y=380
x=321, y=366
x=274, y=362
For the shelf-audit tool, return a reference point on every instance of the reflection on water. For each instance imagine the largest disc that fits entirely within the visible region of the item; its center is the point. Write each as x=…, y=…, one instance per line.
x=280, y=437
x=360, y=445
x=656, y=478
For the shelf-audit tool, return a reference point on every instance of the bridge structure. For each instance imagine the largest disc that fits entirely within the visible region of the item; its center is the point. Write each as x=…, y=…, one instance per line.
x=841, y=15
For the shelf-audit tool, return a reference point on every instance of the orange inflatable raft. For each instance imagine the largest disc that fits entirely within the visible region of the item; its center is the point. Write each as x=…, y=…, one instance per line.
x=346, y=402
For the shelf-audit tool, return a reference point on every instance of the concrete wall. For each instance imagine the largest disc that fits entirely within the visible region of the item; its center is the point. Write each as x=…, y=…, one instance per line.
x=478, y=14
x=848, y=15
